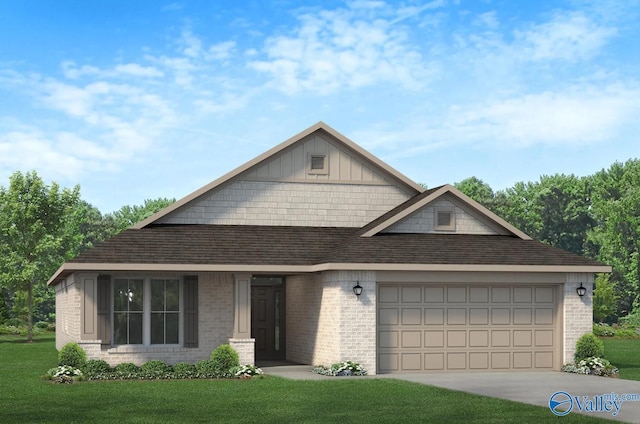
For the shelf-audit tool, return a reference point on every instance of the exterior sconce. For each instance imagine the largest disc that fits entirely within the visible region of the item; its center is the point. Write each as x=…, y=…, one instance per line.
x=580, y=290
x=357, y=289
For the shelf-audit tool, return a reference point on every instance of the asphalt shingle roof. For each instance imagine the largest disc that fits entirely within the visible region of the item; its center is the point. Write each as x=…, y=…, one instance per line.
x=294, y=245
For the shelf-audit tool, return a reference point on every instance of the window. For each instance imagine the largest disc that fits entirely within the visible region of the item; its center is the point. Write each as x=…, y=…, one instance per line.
x=165, y=311
x=128, y=299
x=146, y=311
x=445, y=219
x=318, y=164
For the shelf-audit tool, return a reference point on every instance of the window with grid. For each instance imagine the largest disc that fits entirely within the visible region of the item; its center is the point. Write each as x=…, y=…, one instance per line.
x=165, y=311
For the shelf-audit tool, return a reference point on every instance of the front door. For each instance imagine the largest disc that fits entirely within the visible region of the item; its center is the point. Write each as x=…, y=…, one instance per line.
x=268, y=317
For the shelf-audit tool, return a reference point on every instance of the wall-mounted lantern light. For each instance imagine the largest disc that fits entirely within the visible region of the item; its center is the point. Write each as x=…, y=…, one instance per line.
x=357, y=289
x=581, y=290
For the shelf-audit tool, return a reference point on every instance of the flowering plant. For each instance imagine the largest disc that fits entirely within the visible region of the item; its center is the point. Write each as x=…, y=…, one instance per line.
x=64, y=374
x=592, y=365
x=245, y=371
x=341, y=369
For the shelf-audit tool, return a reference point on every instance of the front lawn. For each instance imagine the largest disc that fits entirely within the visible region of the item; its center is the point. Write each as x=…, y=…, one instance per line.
x=27, y=398
x=624, y=354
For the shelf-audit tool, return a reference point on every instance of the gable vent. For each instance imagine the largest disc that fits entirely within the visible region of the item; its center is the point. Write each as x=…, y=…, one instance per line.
x=445, y=220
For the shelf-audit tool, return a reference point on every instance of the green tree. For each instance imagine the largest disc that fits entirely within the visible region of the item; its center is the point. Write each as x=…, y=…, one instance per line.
x=33, y=234
x=605, y=299
x=478, y=190
x=616, y=235
x=127, y=216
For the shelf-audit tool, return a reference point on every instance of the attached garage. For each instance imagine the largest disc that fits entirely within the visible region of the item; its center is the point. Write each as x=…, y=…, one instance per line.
x=468, y=327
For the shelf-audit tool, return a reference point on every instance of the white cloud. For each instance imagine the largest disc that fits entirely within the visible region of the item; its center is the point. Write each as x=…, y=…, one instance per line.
x=569, y=36
x=340, y=48
x=134, y=69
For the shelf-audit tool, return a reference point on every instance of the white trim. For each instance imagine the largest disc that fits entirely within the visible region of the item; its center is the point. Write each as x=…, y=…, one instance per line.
x=71, y=267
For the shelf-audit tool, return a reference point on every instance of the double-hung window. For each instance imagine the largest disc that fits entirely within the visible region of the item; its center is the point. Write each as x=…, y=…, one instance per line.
x=146, y=311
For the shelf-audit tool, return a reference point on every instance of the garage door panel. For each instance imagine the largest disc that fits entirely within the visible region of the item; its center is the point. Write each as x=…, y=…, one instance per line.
x=456, y=316
x=411, y=361
x=479, y=338
x=434, y=316
x=411, y=339
x=522, y=316
x=388, y=339
x=434, y=339
x=411, y=316
x=434, y=361
x=456, y=338
x=479, y=360
x=479, y=316
x=388, y=316
x=487, y=327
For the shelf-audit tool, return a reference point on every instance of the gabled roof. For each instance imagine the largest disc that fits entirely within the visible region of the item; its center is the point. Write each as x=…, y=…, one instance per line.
x=417, y=202
x=295, y=249
x=404, y=181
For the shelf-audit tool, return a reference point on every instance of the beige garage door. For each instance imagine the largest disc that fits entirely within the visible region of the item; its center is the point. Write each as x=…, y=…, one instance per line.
x=427, y=327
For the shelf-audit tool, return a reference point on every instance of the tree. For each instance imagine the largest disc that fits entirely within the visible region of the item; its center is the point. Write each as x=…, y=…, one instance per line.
x=604, y=298
x=127, y=215
x=616, y=235
x=34, y=240
x=478, y=190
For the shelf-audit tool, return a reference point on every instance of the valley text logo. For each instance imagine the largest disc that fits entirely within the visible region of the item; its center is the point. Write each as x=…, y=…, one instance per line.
x=562, y=403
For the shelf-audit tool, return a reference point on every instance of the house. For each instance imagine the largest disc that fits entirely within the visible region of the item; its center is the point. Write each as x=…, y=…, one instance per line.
x=270, y=256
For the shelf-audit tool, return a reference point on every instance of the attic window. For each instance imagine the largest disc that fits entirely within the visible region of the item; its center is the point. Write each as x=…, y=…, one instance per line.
x=445, y=219
x=318, y=164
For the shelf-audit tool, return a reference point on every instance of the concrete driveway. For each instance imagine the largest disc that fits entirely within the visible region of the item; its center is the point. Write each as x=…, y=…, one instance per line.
x=589, y=395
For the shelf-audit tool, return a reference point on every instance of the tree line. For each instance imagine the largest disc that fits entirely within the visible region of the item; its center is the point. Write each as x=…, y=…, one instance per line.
x=598, y=216
x=41, y=227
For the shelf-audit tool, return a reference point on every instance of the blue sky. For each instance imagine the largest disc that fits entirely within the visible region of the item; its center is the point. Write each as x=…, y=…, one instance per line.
x=143, y=99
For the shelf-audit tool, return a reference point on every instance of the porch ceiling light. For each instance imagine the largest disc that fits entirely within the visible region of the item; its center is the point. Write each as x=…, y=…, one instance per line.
x=357, y=289
x=580, y=290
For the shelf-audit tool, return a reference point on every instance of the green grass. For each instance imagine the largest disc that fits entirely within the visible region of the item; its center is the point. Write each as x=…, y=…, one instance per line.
x=623, y=353
x=24, y=397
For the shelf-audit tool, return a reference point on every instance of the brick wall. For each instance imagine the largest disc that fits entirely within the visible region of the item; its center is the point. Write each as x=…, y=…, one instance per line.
x=215, y=327
x=578, y=311
x=327, y=323
x=281, y=203
x=67, y=311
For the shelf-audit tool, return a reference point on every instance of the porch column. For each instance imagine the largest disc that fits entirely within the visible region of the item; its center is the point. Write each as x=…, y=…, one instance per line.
x=242, y=341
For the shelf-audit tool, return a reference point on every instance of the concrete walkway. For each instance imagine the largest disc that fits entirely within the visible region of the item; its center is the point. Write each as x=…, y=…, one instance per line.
x=536, y=388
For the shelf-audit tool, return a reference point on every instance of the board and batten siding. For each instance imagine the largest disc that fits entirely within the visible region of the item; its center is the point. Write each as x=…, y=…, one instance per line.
x=283, y=190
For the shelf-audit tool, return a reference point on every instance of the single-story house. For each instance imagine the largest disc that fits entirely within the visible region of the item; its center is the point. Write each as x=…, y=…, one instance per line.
x=317, y=252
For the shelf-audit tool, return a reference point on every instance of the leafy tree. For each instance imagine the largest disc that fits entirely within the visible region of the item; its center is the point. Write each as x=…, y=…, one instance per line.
x=616, y=235
x=4, y=310
x=127, y=216
x=604, y=298
x=33, y=240
x=478, y=190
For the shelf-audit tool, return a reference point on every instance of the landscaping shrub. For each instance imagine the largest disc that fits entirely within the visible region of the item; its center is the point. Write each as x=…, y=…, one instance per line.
x=223, y=358
x=589, y=346
x=72, y=355
x=206, y=369
x=245, y=371
x=63, y=374
x=185, y=370
x=97, y=369
x=632, y=320
x=42, y=325
x=603, y=330
x=155, y=369
x=127, y=370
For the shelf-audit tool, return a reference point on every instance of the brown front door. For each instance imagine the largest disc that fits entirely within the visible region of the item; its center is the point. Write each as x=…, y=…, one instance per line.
x=268, y=318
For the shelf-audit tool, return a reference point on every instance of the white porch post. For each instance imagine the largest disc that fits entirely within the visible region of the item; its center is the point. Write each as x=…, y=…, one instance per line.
x=242, y=341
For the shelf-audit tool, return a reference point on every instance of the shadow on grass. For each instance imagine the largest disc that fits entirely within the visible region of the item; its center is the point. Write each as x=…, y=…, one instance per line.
x=14, y=339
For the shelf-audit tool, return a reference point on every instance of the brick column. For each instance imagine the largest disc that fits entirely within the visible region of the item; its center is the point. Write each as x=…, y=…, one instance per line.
x=242, y=341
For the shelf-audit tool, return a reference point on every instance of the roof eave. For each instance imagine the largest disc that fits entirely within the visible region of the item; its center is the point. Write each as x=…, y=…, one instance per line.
x=71, y=267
